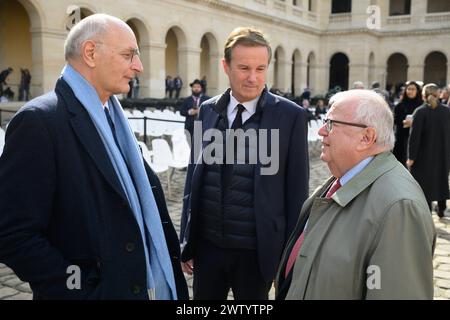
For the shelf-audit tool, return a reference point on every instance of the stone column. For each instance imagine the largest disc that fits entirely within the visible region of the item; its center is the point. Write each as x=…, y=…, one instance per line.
x=157, y=74
x=216, y=83
x=145, y=76
x=359, y=14
x=300, y=70
x=189, y=67
x=48, y=58
x=286, y=75
x=358, y=72
x=418, y=11
x=319, y=76
x=415, y=72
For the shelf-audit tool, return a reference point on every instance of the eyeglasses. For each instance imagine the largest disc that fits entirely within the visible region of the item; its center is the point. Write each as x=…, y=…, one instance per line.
x=329, y=124
x=127, y=53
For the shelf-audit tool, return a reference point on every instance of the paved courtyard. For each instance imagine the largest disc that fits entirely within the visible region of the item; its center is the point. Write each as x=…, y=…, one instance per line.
x=11, y=288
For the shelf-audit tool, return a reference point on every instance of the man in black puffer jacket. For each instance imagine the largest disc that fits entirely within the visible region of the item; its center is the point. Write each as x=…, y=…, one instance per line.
x=238, y=213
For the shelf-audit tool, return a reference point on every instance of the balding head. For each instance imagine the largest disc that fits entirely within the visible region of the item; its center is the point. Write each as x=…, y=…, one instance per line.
x=369, y=108
x=94, y=27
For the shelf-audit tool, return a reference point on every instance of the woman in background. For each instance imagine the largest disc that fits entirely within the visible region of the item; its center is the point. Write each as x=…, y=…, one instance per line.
x=429, y=148
x=411, y=99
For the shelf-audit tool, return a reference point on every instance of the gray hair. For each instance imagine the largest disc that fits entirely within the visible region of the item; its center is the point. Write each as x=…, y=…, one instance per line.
x=372, y=110
x=92, y=27
x=358, y=85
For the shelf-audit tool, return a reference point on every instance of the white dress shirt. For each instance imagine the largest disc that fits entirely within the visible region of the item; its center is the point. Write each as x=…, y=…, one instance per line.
x=250, y=108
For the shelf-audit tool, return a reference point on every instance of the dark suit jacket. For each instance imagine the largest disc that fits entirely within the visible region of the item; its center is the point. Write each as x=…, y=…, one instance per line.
x=61, y=204
x=187, y=105
x=279, y=197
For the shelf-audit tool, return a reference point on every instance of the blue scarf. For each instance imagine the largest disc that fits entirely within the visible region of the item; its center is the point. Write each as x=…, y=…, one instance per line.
x=160, y=278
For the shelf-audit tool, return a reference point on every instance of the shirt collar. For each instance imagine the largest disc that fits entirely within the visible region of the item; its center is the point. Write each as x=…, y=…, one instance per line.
x=250, y=106
x=354, y=171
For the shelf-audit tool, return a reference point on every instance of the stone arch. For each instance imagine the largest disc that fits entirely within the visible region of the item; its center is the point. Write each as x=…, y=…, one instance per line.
x=143, y=39
x=279, y=72
x=175, y=57
x=296, y=73
x=435, y=70
x=311, y=71
x=397, y=71
x=339, y=71
x=210, y=62
x=19, y=20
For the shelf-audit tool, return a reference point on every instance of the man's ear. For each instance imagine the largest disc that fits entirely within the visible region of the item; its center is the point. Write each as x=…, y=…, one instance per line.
x=368, y=139
x=88, y=51
x=225, y=65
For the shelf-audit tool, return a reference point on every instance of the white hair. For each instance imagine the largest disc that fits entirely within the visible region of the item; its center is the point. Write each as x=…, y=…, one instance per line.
x=358, y=85
x=372, y=110
x=92, y=27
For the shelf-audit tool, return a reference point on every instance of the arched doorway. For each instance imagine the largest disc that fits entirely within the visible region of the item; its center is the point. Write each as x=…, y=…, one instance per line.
x=171, y=54
x=296, y=73
x=279, y=73
x=436, y=69
x=311, y=71
x=209, y=63
x=16, y=43
x=142, y=39
x=176, y=58
x=397, y=72
x=339, y=71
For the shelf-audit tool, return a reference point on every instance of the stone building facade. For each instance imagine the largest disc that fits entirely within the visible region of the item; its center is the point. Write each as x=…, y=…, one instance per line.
x=316, y=43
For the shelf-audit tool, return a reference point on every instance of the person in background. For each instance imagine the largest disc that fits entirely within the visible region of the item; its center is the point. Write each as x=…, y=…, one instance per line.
x=169, y=87
x=321, y=109
x=24, y=88
x=443, y=97
x=177, y=84
x=429, y=148
x=191, y=106
x=204, y=84
x=411, y=100
x=4, y=79
x=358, y=85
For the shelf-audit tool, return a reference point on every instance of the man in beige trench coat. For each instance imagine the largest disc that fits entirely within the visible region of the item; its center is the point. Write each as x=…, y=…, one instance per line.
x=366, y=233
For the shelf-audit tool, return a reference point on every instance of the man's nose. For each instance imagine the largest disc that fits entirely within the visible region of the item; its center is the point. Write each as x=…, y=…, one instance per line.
x=323, y=130
x=137, y=64
x=252, y=76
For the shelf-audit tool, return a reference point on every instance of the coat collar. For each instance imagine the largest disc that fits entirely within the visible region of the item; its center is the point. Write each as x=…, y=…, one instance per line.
x=381, y=164
x=88, y=136
x=221, y=104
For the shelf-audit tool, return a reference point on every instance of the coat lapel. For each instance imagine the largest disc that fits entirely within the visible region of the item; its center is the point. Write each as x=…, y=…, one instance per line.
x=210, y=119
x=89, y=137
x=270, y=119
x=319, y=222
